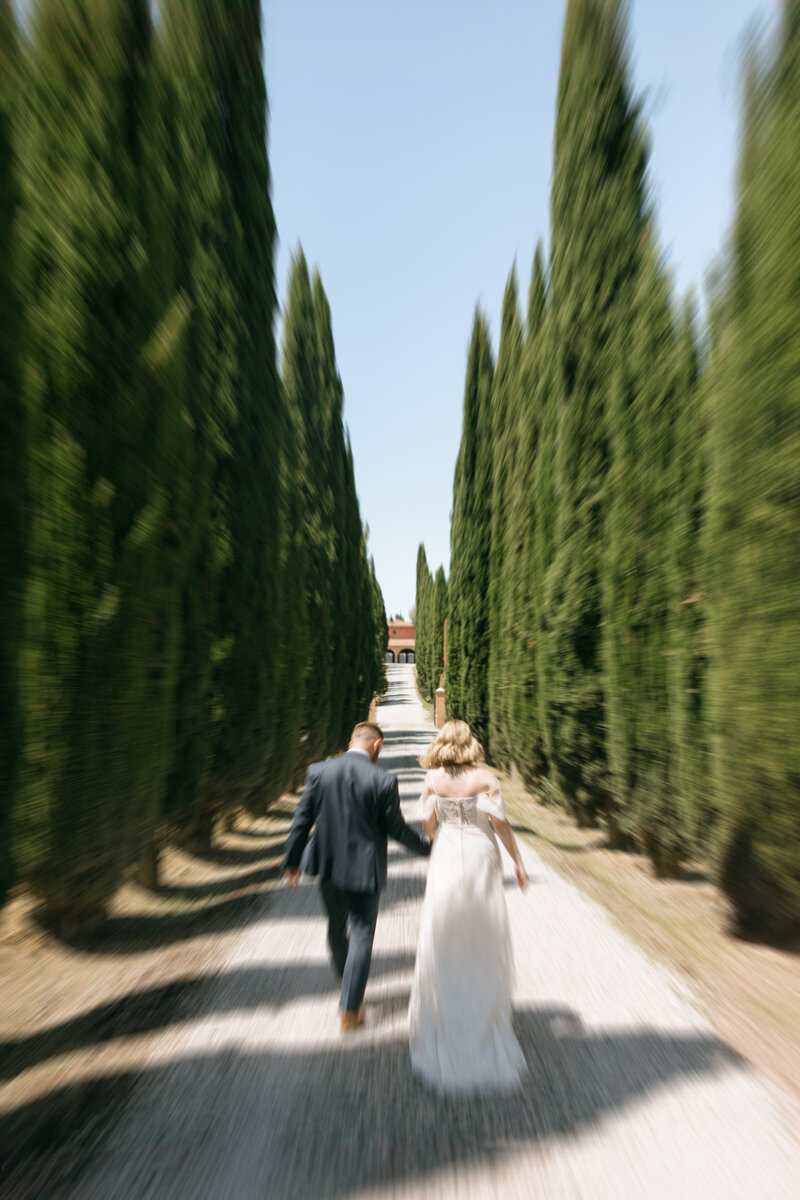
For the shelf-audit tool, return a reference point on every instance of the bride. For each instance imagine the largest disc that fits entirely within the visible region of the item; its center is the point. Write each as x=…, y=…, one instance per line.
x=460, y=1011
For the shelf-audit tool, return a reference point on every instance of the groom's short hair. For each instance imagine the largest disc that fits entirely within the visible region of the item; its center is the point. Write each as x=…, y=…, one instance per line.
x=367, y=732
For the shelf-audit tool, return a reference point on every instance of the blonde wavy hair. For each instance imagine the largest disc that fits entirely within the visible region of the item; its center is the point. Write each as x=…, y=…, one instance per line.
x=455, y=746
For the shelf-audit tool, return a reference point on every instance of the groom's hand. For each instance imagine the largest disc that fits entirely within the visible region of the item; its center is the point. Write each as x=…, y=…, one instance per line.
x=291, y=877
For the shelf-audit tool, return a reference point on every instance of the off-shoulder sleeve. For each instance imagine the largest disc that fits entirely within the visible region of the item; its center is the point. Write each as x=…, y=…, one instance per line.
x=426, y=806
x=491, y=802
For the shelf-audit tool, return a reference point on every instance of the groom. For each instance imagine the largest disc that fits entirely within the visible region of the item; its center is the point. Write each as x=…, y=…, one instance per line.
x=355, y=805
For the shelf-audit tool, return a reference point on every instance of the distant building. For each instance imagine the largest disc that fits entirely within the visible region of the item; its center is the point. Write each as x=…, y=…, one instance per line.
x=402, y=642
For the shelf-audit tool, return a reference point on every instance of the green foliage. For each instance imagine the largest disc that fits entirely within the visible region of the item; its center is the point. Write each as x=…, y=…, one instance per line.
x=597, y=219
x=689, y=652
x=424, y=625
x=755, y=515
x=195, y=229
x=12, y=452
x=526, y=736
x=335, y=628
x=504, y=415
x=104, y=436
x=643, y=414
x=431, y=613
x=437, y=635
x=200, y=615
x=245, y=675
x=302, y=381
x=641, y=526
x=468, y=607
x=380, y=632
x=358, y=638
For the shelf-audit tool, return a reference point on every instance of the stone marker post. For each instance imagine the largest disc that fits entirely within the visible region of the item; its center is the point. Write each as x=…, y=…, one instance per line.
x=440, y=717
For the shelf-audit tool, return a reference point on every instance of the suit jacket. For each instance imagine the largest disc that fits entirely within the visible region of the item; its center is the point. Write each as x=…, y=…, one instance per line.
x=355, y=806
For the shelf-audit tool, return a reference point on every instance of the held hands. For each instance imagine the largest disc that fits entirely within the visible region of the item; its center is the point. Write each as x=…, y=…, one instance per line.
x=522, y=876
x=291, y=877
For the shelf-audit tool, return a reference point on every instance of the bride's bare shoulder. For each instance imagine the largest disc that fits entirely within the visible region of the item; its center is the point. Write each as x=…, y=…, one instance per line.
x=478, y=778
x=486, y=778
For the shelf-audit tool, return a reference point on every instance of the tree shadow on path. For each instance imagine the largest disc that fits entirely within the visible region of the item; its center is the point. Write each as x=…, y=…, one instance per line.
x=188, y=998
x=370, y=1120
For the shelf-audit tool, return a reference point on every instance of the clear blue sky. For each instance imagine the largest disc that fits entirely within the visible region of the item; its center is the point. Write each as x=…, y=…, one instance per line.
x=410, y=143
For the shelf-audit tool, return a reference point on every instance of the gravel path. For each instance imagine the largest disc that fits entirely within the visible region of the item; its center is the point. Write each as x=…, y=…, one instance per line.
x=629, y=1095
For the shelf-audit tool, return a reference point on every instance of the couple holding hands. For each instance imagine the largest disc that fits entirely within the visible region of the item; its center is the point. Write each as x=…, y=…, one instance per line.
x=460, y=1032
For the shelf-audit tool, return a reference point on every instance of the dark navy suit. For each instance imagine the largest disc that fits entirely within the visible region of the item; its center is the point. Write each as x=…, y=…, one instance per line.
x=354, y=806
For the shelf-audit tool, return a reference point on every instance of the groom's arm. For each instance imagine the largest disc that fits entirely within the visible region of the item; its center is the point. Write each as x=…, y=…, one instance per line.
x=304, y=817
x=394, y=823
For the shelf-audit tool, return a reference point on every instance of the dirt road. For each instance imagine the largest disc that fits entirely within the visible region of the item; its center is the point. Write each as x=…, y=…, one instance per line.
x=629, y=1093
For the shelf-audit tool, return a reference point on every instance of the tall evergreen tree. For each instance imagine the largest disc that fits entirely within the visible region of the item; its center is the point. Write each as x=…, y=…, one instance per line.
x=597, y=219
x=540, y=546
x=637, y=577
x=424, y=617
x=504, y=415
x=331, y=399
x=12, y=448
x=380, y=632
x=195, y=160
x=104, y=442
x=523, y=717
x=688, y=625
x=756, y=518
x=300, y=375
x=437, y=634
x=314, y=469
x=468, y=614
x=246, y=674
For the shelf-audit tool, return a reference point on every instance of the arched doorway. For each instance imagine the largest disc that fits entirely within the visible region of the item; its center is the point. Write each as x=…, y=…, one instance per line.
x=406, y=656
x=389, y=656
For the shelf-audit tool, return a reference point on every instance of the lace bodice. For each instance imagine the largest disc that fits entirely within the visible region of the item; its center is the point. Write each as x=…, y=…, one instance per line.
x=463, y=810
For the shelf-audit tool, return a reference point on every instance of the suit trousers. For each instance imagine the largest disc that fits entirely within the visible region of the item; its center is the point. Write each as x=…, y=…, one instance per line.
x=352, y=917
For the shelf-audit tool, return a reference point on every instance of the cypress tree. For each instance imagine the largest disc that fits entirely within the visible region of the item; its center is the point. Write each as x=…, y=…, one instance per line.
x=419, y=619
x=245, y=675
x=358, y=688
x=380, y=632
x=287, y=761
x=437, y=634
x=424, y=626
x=540, y=549
x=596, y=220
x=688, y=624
x=642, y=416
x=331, y=399
x=104, y=443
x=300, y=375
x=470, y=536
x=12, y=451
x=200, y=217
x=755, y=431
x=523, y=716
x=357, y=641
x=431, y=613
x=504, y=416
x=318, y=521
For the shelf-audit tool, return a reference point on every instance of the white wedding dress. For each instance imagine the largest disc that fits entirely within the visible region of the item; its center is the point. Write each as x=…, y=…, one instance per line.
x=461, y=1037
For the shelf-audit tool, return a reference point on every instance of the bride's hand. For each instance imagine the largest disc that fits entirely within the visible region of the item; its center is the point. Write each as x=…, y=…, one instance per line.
x=522, y=876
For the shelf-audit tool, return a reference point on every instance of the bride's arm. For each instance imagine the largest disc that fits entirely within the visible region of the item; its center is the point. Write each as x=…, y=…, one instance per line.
x=506, y=836
x=505, y=833
x=428, y=821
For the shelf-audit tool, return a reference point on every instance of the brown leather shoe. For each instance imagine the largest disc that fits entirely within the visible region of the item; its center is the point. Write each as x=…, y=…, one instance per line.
x=352, y=1020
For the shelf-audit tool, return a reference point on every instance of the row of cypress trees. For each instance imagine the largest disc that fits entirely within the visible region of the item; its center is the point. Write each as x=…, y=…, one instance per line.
x=189, y=614
x=623, y=611
x=431, y=614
